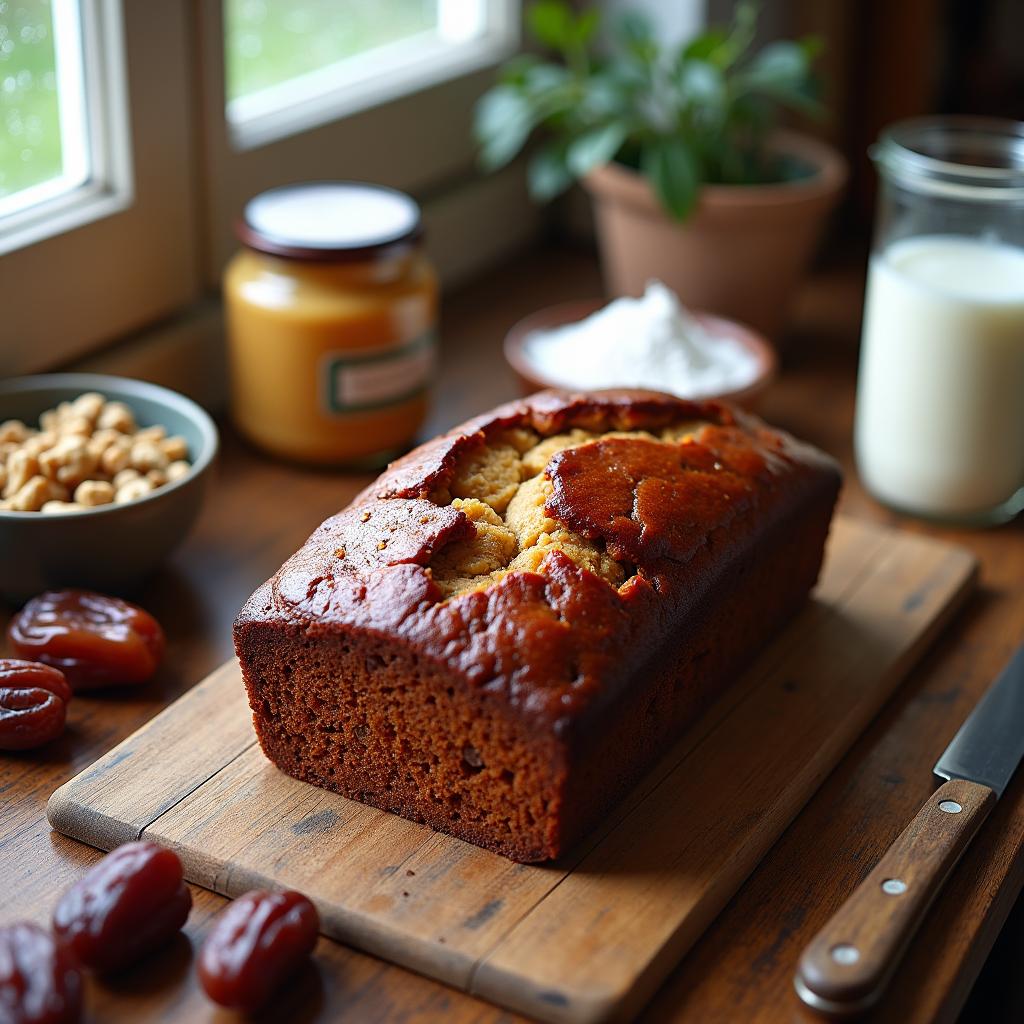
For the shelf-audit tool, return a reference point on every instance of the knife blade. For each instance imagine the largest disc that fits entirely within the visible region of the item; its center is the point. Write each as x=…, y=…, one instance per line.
x=847, y=965
x=990, y=744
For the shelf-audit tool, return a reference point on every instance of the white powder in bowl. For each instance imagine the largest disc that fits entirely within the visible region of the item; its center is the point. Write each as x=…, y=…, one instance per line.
x=650, y=342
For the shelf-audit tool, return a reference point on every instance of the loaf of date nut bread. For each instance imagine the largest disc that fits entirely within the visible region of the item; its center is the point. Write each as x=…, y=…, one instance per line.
x=500, y=634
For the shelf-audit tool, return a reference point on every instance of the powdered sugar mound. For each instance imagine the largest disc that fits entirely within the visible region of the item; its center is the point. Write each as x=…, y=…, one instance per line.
x=650, y=342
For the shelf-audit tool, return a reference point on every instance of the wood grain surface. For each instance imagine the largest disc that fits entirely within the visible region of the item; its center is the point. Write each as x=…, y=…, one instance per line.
x=259, y=511
x=577, y=941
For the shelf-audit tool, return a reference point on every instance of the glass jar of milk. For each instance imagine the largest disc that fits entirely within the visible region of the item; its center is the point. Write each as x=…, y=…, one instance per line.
x=940, y=395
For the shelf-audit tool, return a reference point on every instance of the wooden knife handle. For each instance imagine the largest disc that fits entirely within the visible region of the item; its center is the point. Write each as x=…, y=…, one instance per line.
x=847, y=964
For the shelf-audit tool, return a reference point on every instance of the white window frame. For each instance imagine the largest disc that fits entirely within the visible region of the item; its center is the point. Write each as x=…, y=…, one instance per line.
x=472, y=34
x=117, y=252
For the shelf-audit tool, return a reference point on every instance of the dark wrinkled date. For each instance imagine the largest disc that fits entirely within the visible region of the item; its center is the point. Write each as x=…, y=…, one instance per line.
x=39, y=982
x=93, y=639
x=130, y=903
x=29, y=718
x=256, y=943
x=33, y=703
x=16, y=674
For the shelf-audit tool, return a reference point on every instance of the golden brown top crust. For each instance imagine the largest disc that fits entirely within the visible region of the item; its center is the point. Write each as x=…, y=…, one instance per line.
x=649, y=500
x=539, y=550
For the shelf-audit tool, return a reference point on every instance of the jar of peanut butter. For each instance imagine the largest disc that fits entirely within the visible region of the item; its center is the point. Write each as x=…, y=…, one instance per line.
x=331, y=321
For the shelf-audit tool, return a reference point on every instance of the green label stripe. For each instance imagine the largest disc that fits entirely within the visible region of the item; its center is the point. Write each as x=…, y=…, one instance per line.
x=363, y=381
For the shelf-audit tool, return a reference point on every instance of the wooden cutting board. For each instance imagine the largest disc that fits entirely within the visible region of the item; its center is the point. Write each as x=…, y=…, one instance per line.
x=588, y=938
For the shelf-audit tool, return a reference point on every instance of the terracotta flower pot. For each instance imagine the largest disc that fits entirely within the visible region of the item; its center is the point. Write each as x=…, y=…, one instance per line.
x=742, y=251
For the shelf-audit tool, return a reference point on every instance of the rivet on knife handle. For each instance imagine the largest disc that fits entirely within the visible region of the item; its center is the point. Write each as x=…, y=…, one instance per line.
x=847, y=964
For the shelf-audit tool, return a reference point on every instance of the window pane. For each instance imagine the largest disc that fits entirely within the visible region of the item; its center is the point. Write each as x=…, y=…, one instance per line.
x=268, y=42
x=43, y=147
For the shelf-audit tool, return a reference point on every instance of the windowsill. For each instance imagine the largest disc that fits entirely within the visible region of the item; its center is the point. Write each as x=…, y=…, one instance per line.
x=470, y=230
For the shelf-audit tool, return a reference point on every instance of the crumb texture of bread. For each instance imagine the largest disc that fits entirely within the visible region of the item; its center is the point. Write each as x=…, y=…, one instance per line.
x=503, y=632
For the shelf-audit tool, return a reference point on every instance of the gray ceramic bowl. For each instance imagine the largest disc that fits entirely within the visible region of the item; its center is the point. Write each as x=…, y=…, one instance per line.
x=113, y=547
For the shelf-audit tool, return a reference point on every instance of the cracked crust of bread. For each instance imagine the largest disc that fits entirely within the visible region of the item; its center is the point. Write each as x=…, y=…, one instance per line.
x=503, y=489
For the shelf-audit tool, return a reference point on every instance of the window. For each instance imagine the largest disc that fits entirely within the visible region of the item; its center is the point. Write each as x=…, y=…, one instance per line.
x=290, y=64
x=133, y=132
x=373, y=90
x=62, y=157
x=43, y=148
x=96, y=213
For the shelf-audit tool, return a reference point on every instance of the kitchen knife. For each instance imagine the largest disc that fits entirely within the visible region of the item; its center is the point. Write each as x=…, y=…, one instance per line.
x=848, y=963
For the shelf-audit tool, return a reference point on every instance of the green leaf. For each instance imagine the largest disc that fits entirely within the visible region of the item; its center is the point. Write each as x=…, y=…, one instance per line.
x=516, y=70
x=635, y=34
x=783, y=62
x=702, y=84
x=547, y=173
x=586, y=26
x=707, y=47
x=782, y=72
x=552, y=23
x=812, y=47
x=741, y=35
x=594, y=148
x=605, y=97
x=545, y=78
x=503, y=120
x=634, y=28
x=670, y=167
x=724, y=47
x=630, y=75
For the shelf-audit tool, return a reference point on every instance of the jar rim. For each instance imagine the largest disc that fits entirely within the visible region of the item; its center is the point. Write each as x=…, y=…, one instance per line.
x=958, y=156
x=331, y=221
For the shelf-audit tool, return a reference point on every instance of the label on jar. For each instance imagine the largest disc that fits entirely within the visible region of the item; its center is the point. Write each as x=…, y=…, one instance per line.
x=360, y=381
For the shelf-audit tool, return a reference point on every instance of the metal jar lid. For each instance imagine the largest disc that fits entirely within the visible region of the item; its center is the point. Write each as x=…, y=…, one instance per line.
x=330, y=221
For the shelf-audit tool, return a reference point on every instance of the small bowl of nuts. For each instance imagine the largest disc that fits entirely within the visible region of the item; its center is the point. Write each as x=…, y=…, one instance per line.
x=100, y=478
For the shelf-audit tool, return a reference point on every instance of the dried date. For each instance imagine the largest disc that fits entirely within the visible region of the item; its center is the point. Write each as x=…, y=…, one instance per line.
x=256, y=943
x=33, y=703
x=93, y=639
x=16, y=674
x=129, y=904
x=39, y=981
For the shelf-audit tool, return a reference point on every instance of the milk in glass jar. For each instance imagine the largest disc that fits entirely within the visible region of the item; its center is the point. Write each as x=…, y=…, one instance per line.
x=940, y=395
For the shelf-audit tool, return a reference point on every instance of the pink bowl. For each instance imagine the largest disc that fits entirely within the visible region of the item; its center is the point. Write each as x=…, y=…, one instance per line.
x=531, y=379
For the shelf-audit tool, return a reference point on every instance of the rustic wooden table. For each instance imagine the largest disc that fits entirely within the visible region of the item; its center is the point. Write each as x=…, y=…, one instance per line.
x=260, y=511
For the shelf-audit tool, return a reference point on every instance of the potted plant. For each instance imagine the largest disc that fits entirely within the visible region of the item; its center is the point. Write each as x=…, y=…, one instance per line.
x=693, y=182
